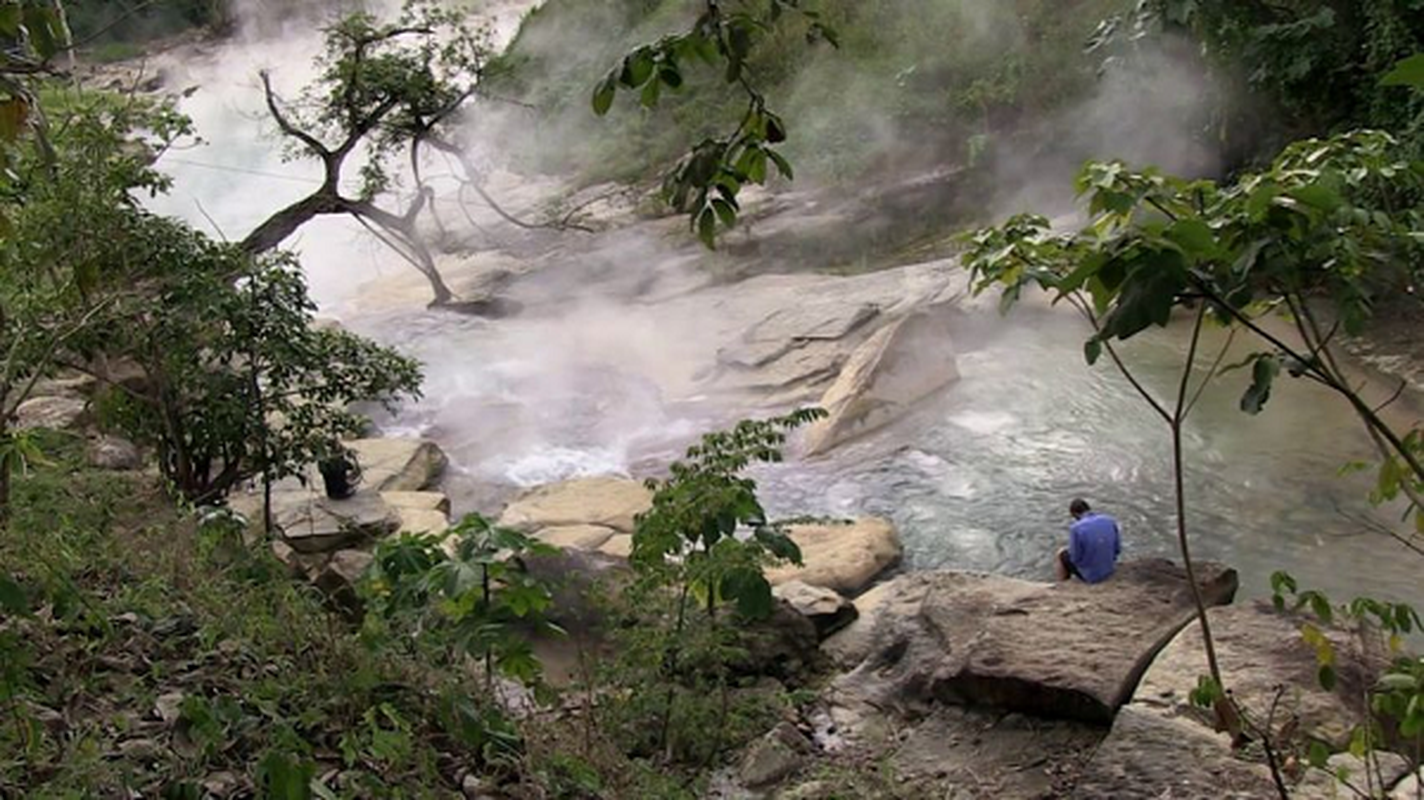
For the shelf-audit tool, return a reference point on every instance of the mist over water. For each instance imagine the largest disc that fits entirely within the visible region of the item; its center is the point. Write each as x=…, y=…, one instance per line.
x=601, y=372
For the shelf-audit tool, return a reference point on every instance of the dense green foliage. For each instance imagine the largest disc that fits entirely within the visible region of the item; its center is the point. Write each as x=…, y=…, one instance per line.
x=1300, y=68
x=909, y=83
x=142, y=652
x=117, y=28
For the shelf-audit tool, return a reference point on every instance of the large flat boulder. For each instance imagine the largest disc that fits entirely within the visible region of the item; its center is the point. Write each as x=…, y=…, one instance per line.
x=58, y=412
x=899, y=597
x=844, y=558
x=606, y=502
x=1260, y=649
x=1065, y=650
x=420, y=501
x=576, y=537
x=398, y=465
x=826, y=609
x=312, y=523
x=1149, y=756
x=902, y=364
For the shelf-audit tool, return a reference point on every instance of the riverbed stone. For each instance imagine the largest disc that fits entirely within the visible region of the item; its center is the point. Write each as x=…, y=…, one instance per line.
x=607, y=502
x=1408, y=789
x=1260, y=649
x=422, y=520
x=113, y=453
x=420, y=501
x=576, y=537
x=313, y=523
x=58, y=412
x=901, y=596
x=826, y=609
x=618, y=546
x=1069, y=650
x=896, y=368
x=1323, y=785
x=1148, y=756
x=774, y=757
x=392, y=465
x=844, y=558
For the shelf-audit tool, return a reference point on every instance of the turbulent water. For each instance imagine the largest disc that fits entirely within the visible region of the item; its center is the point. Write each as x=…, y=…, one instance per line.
x=978, y=478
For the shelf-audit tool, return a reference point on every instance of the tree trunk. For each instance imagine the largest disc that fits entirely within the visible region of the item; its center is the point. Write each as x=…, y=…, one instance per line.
x=284, y=223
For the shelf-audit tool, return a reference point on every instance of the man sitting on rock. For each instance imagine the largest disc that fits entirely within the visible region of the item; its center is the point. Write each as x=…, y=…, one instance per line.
x=1094, y=544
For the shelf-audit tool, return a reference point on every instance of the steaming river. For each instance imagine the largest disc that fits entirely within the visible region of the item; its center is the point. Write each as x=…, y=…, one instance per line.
x=978, y=478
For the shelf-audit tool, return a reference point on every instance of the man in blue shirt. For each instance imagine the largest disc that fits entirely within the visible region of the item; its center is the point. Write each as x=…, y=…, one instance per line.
x=1094, y=544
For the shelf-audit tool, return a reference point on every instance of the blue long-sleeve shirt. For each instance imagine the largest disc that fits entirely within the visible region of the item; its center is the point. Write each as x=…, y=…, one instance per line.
x=1094, y=544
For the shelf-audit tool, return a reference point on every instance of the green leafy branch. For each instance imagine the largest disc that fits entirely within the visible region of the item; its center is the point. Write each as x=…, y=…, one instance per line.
x=706, y=183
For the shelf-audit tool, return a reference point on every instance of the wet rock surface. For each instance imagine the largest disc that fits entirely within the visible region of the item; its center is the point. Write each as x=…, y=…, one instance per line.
x=1065, y=650
x=900, y=365
x=605, y=502
x=842, y=557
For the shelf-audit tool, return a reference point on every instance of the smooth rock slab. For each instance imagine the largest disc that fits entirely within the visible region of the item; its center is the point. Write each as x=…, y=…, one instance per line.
x=900, y=596
x=59, y=412
x=826, y=609
x=1259, y=649
x=421, y=520
x=317, y=524
x=1150, y=757
x=896, y=368
x=606, y=502
x=1065, y=650
x=1322, y=785
x=576, y=537
x=420, y=501
x=398, y=465
x=842, y=558
x=113, y=453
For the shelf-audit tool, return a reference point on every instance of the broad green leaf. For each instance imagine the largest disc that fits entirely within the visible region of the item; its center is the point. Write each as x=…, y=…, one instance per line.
x=603, y=96
x=1093, y=350
x=1318, y=754
x=10, y=18
x=1318, y=195
x=44, y=29
x=707, y=228
x=1326, y=677
x=1263, y=376
x=1409, y=72
x=1194, y=237
x=782, y=165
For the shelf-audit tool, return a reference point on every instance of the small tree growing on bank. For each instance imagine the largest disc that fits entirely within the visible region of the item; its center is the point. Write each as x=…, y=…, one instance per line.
x=708, y=541
x=383, y=89
x=1331, y=221
x=237, y=381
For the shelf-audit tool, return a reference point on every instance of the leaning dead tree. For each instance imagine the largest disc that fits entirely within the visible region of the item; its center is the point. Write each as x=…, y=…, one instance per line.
x=383, y=90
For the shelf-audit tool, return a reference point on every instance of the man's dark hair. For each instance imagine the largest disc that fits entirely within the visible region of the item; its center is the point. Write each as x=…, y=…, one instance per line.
x=1079, y=507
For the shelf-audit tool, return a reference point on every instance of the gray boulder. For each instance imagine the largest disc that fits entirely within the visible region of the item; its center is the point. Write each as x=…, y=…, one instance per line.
x=1149, y=756
x=114, y=453
x=313, y=523
x=398, y=465
x=58, y=412
x=826, y=609
x=1260, y=649
x=1065, y=650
